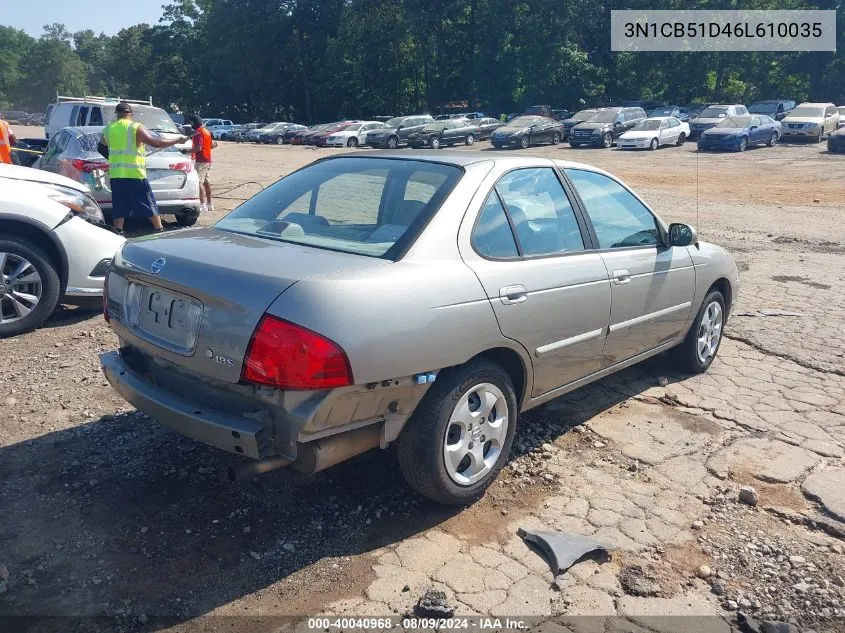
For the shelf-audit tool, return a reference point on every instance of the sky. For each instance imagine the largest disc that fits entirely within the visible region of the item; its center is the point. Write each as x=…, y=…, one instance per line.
x=104, y=17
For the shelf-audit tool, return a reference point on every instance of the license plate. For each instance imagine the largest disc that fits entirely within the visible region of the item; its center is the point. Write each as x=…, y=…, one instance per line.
x=167, y=320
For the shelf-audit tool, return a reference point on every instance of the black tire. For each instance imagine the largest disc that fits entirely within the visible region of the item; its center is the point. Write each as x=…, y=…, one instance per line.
x=571, y=144
x=682, y=138
x=419, y=447
x=392, y=142
x=654, y=144
x=685, y=355
x=470, y=139
x=187, y=218
x=556, y=138
x=743, y=144
x=773, y=140
x=434, y=143
x=50, y=285
x=352, y=142
x=819, y=137
x=525, y=142
x=280, y=140
x=607, y=140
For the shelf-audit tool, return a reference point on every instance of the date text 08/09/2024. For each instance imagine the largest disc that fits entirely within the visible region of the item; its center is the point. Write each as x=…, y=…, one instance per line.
x=717, y=30
x=459, y=623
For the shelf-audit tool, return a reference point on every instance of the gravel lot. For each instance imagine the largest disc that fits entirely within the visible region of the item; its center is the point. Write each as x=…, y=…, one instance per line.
x=103, y=513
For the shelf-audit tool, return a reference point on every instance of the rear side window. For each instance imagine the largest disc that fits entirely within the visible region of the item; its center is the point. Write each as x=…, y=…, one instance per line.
x=82, y=116
x=96, y=117
x=542, y=216
x=492, y=236
x=619, y=219
x=366, y=206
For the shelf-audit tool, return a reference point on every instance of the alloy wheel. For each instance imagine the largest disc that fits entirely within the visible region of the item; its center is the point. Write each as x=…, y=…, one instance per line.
x=654, y=143
x=607, y=140
x=476, y=434
x=20, y=287
x=709, y=332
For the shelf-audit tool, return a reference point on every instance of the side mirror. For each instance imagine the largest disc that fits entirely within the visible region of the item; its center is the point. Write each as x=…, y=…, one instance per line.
x=753, y=127
x=682, y=235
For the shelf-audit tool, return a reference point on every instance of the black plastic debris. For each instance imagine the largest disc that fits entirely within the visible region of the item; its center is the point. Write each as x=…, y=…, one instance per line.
x=434, y=604
x=562, y=550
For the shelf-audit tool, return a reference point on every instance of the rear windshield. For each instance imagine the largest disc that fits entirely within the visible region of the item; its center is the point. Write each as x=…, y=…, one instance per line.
x=154, y=119
x=88, y=142
x=735, y=122
x=713, y=113
x=365, y=206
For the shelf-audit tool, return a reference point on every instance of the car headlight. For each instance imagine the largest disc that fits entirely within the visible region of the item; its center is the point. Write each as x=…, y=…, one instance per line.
x=81, y=204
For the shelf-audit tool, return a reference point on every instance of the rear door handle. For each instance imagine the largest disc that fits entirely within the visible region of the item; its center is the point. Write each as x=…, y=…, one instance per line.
x=622, y=276
x=513, y=294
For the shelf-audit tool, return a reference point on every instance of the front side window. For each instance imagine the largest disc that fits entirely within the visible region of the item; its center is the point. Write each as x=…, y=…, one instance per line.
x=354, y=205
x=542, y=216
x=96, y=116
x=619, y=219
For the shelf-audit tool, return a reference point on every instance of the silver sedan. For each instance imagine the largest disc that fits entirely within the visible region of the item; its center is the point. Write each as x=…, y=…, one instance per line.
x=421, y=300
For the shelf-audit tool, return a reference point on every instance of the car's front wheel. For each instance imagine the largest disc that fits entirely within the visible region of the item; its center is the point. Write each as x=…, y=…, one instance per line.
x=29, y=286
x=470, y=139
x=607, y=140
x=773, y=139
x=188, y=217
x=697, y=351
x=556, y=138
x=653, y=145
x=392, y=142
x=280, y=140
x=352, y=142
x=743, y=144
x=459, y=436
x=524, y=142
x=434, y=143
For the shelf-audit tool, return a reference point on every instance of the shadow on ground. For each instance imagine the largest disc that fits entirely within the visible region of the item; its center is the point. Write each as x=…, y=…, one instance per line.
x=119, y=516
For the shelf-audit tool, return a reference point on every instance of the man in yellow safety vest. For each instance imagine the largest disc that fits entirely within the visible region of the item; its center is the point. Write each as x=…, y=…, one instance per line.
x=130, y=190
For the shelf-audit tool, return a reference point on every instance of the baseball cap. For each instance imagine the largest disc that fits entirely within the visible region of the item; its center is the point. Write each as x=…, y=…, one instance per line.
x=123, y=108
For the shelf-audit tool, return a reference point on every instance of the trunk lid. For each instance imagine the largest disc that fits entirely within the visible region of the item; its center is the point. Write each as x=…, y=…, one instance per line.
x=195, y=297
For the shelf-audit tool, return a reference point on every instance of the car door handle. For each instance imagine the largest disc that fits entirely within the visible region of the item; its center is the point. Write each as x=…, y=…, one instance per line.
x=622, y=276
x=513, y=294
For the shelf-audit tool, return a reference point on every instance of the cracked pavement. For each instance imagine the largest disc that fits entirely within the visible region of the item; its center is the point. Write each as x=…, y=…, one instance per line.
x=106, y=513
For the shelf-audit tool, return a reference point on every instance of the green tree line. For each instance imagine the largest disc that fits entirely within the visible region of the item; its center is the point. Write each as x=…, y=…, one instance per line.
x=313, y=60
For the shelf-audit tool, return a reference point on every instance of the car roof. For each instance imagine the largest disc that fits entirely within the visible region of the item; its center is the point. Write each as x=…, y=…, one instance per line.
x=461, y=158
x=661, y=118
x=816, y=104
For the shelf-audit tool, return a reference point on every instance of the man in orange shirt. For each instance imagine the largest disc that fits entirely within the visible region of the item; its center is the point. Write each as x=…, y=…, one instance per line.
x=7, y=141
x=201, y=152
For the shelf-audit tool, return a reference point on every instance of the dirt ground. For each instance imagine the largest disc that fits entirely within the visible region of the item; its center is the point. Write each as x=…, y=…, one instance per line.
x=105, y=514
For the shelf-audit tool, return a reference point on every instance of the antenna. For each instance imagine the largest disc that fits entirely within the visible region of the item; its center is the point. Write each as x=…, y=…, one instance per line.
x=697, y=225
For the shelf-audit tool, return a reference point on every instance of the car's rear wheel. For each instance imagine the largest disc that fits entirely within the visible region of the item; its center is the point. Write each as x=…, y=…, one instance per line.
x=188, y=217
x=653, y=145
x=392, y=142
x=434, y=143
x=556, y=138
x=697, y=351
x=773, y=139
x=352, y=142
x=524, y=142
x=470, y=139
x=29, y=286
x=682, y=138
x=459, y=436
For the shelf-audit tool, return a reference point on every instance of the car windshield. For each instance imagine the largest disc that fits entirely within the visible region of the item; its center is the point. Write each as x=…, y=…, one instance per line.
x=394, y=123
x=582, y=115
x=763, y=108
x=713, y=113
x=154, y=119
x=807, y=111
x=647, y=124
x=735, y=122
x=366, y=206
x=662, y=112
x=267, y=128
x=523, y=121
x=436, y=126
x=350, y=127
x=604, y=116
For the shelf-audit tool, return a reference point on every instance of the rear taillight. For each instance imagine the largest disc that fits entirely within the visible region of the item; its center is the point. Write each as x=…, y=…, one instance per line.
x=184, y=166
x=87, y=166
x=106, y=299
x=288, y=356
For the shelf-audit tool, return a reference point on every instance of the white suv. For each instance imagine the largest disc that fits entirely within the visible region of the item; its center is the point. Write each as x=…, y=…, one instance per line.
x=54, y=247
